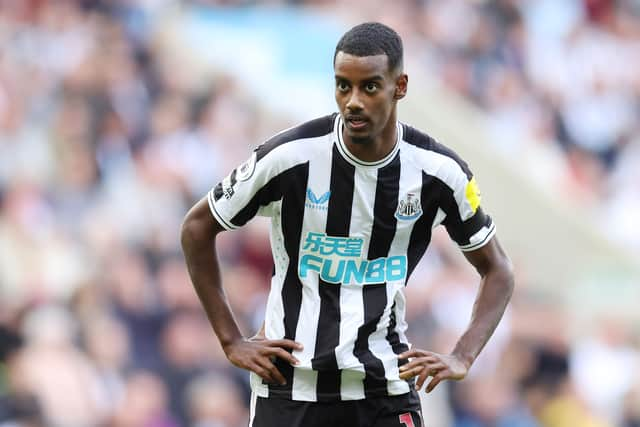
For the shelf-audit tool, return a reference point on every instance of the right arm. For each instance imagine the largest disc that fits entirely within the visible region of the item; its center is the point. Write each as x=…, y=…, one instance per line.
x=198, y=238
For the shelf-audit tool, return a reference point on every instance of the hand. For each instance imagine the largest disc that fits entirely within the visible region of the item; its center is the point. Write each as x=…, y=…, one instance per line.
x=426, y=363
x=257, y=355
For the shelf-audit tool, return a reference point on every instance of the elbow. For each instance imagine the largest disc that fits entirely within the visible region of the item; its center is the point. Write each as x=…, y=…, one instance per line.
x=197, y=229
x=500, y=271
x=188, y=232
x=507, y=272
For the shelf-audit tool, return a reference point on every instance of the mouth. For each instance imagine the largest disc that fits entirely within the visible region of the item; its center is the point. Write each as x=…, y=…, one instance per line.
x=355, y=122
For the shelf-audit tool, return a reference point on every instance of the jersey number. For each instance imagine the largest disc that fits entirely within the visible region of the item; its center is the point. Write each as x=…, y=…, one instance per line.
x=406, y=420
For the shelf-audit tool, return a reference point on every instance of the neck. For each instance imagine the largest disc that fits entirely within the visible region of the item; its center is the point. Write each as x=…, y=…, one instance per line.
x=376, y=148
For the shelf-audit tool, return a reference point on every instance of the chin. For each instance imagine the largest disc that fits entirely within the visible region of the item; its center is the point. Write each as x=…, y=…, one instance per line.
x=360, y=139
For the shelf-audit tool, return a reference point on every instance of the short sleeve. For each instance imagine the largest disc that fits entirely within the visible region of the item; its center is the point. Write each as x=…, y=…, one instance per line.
x=247, y=191
x=467, y=224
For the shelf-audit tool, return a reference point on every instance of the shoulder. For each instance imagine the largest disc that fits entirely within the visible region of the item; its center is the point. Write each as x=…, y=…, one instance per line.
x=428, y=148
x=312, y=129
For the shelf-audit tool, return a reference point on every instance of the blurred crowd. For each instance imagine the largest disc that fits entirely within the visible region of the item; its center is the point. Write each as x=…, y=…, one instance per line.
x=107, y=138
x=559, y=83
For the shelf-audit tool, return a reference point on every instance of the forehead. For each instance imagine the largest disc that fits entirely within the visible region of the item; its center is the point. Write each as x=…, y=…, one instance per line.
x=359, y=67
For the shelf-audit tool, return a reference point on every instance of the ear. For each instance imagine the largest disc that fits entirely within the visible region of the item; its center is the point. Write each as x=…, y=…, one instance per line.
x=401, y=86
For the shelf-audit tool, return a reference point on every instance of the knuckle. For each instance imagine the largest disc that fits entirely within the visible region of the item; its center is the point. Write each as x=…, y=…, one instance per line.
x=271, y=368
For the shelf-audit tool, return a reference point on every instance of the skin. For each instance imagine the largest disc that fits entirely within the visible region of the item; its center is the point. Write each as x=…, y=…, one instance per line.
x=496, y=287
x=198, y=236
x=366, y=92
x=367, y=89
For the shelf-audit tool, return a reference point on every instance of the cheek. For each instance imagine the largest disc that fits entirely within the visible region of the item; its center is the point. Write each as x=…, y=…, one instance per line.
x=383, y=108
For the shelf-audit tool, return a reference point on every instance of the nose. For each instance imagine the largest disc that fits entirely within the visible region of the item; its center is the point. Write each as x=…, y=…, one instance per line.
x=354, y=103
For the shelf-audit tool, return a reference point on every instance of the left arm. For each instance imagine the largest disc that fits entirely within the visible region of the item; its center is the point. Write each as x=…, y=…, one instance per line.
x=496, y=288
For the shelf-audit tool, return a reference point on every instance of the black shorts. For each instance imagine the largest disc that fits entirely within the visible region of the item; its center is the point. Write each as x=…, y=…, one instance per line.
x=385, y=411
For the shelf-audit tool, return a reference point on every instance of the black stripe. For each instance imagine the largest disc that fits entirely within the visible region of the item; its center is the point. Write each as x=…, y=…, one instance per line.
x=328, y=336
x=232, y=178
x=375, y=296
x=270, y=192
x=293, y=199
x=461, y=231
x=482, y=242
x=341, y=200
x=430, y=196
x=419, y=139
x=311, y=129
x=393, y=338
x=217, y=192
x=384, y=208
x=375, y=300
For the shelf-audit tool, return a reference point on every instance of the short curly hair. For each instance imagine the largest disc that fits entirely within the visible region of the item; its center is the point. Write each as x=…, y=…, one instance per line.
x=372, y=38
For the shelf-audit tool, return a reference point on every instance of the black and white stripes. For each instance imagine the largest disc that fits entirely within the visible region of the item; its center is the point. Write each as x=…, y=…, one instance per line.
x=345, y=236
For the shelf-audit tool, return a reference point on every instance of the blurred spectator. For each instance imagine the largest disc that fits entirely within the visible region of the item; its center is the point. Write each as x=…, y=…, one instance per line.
x=604, y=367
x=631, y=414
x=50, y=363
x=145, y=403
x=136, y=305
x=17, y=405
x=107, y=343
x=215, y=402
x=184, y=342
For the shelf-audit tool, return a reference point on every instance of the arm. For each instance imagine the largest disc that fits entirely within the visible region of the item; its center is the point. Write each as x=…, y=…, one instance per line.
x=496, y=288
x=198, y=236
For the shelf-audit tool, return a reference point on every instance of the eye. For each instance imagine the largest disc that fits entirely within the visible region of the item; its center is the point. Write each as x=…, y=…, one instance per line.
x=371, y=87
x=342, y=86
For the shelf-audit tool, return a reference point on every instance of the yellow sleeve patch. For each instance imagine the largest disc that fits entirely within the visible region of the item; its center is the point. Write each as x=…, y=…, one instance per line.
x=472, y=193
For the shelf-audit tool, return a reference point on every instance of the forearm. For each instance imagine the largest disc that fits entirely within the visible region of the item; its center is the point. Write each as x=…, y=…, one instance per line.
x=494, y=294
x=198, y=244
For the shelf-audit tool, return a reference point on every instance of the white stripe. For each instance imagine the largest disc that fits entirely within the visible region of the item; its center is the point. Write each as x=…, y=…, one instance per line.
x=252, y=409
x=257, y=386
x=440, y=216
x=315, y=220
x=401, y=322
x=216, y=215
x=395, y=385
x=304, y=384
x=274, y=312
x=351, y=300
x=352, y=384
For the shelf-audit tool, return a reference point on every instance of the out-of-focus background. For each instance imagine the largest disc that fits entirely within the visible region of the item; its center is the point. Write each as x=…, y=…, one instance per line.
x=116, y=116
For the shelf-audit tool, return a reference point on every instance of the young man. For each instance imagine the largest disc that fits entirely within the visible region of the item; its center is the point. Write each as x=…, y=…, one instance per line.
x=352, y=198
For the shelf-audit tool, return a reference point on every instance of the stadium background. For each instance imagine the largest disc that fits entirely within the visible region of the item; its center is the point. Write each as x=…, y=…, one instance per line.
x=116, y=116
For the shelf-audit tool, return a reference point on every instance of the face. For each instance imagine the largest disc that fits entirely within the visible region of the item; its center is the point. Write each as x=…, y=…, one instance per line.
x=366, y=94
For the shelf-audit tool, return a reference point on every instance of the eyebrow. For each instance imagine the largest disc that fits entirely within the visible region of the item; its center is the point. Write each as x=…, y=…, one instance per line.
x=376, y=77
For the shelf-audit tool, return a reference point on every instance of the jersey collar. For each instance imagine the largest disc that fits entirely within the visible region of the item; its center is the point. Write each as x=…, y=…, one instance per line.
x=349, y=157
